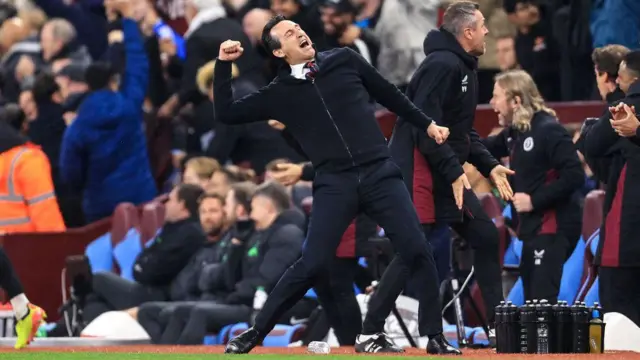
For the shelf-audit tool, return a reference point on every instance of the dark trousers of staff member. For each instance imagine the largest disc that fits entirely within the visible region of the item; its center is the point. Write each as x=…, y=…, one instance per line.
x=378, y=191
x=481, y=234
x=541, y=266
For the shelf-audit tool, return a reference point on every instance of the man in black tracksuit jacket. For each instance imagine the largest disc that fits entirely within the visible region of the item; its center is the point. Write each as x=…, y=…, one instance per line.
x=444, y=87
x=323, y=100
x=547, y=168
x=618, y=253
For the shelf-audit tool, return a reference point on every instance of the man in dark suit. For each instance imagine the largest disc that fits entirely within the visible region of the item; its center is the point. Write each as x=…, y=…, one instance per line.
x=330, y=91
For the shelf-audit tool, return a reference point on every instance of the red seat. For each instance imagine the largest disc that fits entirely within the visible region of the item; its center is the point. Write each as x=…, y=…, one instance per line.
x=151, y=220
x=592, y=213
x=490, y=204
x=386, y=121
x=125, y=217
x=307, y=204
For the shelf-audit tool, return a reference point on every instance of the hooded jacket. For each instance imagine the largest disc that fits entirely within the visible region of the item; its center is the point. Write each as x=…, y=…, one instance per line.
x=445, y=88
x=104, y=150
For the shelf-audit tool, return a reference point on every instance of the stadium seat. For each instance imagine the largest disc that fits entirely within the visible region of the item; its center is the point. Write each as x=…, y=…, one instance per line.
x=589, y=270
x=516, y=295
x=283, y=335
x=592, y=213
x=593, y=293
x=211, y=340
x=386, y=121
x=490, y=204
x=126, y=252
x=100, y=254
x=125, y=217
x=151, y=220
x=237, y=329
x=307, y=204
x=572, y=274
x=514, y=252
x=223, y=335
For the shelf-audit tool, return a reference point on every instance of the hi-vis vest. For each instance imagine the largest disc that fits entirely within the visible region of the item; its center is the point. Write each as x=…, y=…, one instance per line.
x=27, y=198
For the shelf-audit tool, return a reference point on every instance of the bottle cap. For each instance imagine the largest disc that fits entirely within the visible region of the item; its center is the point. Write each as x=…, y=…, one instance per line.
x=596, y=314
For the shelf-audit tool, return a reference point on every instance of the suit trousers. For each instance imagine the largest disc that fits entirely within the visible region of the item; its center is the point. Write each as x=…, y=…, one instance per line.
x=619, y=290
x=481, y=234
x=541, y=266
x=377, y=190
x=8, y=279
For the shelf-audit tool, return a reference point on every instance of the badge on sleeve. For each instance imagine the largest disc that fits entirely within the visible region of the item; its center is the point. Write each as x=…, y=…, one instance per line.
x=528, y=144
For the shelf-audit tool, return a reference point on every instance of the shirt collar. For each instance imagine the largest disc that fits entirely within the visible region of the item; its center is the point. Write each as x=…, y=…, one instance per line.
x=298, y=71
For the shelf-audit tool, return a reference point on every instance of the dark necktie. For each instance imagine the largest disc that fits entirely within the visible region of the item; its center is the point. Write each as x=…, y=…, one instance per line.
x=313, y=69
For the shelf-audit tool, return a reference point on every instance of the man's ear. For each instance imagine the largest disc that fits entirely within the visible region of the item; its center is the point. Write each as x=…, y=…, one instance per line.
x=278, y=53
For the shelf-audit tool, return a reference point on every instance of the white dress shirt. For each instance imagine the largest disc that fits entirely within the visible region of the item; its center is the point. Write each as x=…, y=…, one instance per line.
x=299, y=71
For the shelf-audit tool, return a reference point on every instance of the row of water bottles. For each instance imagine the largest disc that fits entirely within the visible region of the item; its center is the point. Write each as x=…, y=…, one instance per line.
x=260, y=297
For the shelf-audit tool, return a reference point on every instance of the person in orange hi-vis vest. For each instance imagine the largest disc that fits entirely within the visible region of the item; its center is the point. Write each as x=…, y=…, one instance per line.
x=27, y=198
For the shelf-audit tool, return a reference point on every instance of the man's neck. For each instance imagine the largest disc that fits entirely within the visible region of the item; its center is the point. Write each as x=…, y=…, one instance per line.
x=299, y=62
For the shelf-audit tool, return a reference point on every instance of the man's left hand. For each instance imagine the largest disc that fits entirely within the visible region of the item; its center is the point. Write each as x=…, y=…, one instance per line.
x=438, y=133
x=499, y=177
x=522, y=202
x=625, y=122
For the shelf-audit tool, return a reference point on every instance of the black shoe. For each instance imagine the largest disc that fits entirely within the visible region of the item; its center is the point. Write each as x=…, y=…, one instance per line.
x=378, y=343
x=438, y=345
x=244, y=342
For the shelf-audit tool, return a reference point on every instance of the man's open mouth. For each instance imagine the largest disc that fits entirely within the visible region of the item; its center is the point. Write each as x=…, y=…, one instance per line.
x=304, y=43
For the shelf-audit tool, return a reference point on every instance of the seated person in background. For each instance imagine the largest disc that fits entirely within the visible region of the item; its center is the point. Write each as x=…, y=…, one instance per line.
x=27, y=198
x=213, y=277
x=158, y=265
x=298, y=191
x=506, y=53
x=262, y=258
x=228, y=175
x=198, y=171
x=590, y=181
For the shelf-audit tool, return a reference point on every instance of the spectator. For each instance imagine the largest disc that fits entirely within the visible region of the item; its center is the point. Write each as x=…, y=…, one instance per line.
x=536, y=49
x=253, y=23
x=198, y=171
x=338, y=18
x=221, y=181
x=615, y=22
x=298, y=192
x=59, y=40
x=304, y=14
x=28, y=200
x=104, y=148
x=506, y=53
x=606, y=61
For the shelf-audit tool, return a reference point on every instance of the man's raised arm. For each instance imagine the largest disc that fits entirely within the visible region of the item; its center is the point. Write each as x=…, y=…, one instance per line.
x=251, y=108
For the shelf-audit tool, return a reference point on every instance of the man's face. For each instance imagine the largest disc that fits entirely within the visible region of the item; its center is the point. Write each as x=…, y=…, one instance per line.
x=295, y=45
x=230, y=207
x=262, y=211
x=506, y=54
x=334, y=22
x=602, y=80
x=50, y=46
x=211, y=216
x=502, y=105
x=526, y=14
x=288, y=8
x=28, y=105
x=254, y=22
x=218, y=184
x=475, y=35
x=174, y=208
x=626, y=77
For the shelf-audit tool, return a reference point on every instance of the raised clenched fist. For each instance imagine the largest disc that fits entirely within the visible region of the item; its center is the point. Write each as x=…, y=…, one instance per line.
x=230, y=50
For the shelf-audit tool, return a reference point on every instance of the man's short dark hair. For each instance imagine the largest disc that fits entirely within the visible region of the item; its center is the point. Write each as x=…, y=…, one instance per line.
x=210, y=195
x=99, y=74
x=275, y=192
x=459, y=15
x=243, y=193
x=190, y=194
x=13, y=115
x=607, y=59
x=44, y=87
x=632, y=60
x=268, y=41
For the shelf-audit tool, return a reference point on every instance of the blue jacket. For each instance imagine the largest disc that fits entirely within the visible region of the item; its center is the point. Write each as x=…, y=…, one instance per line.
x=104, y=151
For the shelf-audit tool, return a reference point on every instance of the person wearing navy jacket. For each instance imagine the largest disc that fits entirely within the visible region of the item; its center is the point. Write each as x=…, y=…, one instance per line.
x=548, y=174
x=323, y=100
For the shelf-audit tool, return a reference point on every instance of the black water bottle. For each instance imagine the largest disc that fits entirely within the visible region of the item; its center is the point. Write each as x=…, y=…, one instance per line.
x=558, y=329
x=543, y=322
x=580, y=324
x=528, y=329
x=568, y=328
x=513, y=321
x=500, y=325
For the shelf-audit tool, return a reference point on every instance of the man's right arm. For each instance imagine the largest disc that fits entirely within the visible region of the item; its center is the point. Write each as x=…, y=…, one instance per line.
x=430, y=97
x=251, y=108
x=136, y=71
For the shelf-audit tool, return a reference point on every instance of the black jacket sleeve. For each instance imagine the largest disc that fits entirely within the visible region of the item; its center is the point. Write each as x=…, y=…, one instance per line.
x=561, y=151
x=285, y=247
x=598, y=164
x=291, y=141
x=308, y=173
x=497, y=144
x=224, y=141
x=600, y=137
x=159, y=264
x=387, y=94
x=430, y=97
x=479, y=156
x=636, y=138
x=250, y=108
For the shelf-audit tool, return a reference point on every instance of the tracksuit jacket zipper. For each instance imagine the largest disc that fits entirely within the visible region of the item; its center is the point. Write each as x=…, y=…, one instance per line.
x=326, y=109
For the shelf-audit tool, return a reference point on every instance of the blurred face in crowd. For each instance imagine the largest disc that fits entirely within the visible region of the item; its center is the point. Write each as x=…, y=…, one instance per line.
x=232, y=210
x=211, y=216
x=28, y=105
x=506, y=54
x=502, y=105
x=191, y=177
x=190, y=11
x=626, y=77
x=288, y=8
x=295, y=46
x=263, y=212
x=334, y=22
x=253, y=23
x=174, y=208
x=474, y=35
x=526, y=14
x=50, y=45
x=219, y=183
